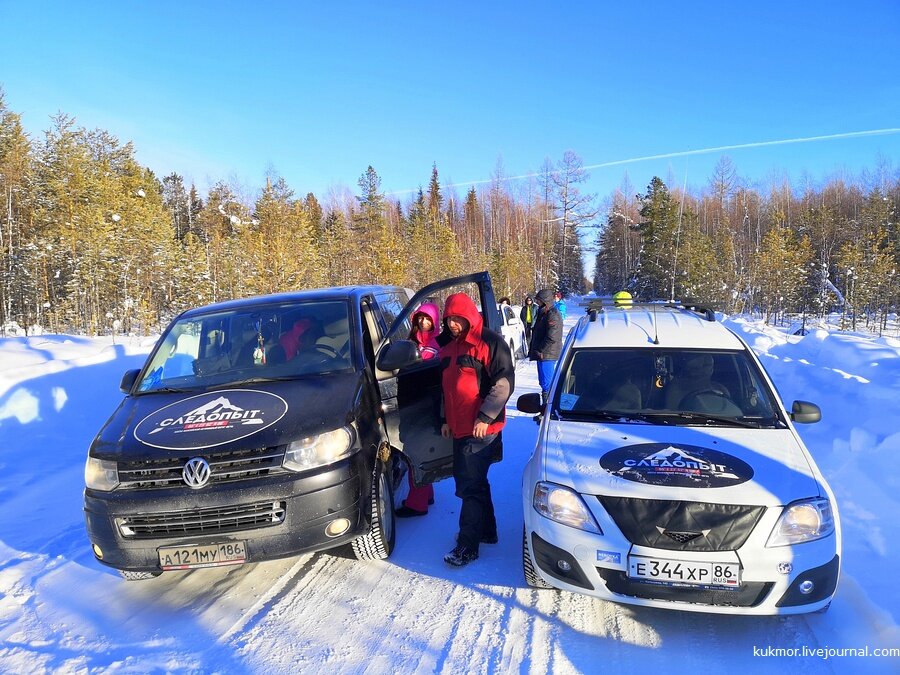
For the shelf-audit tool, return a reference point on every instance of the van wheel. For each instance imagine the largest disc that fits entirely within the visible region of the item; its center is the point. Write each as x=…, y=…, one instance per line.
x=531, y=577
x=378, y=542
x=130, y=575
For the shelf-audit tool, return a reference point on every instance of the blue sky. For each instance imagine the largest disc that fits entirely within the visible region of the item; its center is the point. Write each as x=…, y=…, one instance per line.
x=318, y=91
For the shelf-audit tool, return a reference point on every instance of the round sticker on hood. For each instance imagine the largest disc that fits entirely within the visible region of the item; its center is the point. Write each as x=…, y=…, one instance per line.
x=211, y=419
x=676, y=465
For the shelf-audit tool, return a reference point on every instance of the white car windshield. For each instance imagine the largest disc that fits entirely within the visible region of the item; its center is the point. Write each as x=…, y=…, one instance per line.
x=680, y=386
x=251, y=344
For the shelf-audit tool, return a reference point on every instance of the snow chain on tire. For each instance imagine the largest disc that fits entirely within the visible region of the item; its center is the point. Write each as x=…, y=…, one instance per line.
x=375, y=545
x=531, y=577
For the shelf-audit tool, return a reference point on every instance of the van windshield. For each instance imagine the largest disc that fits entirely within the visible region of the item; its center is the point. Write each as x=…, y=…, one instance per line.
x=670, y=386
x=256, y=343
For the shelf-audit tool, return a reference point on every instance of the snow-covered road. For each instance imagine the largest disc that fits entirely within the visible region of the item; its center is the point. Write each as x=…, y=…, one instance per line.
x=60, y=611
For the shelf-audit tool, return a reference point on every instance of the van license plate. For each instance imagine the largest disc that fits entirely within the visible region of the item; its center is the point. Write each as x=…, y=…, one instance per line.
x=681, y=572
x=208, y=555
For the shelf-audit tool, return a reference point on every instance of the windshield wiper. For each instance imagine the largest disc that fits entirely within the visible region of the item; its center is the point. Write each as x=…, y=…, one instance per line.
x=703, y=417
x=616, y=416
x=257, y=379
x=166, y=390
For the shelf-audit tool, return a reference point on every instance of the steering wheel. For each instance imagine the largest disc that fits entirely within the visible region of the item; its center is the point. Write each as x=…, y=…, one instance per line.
x=327, y=350
x=711, y=400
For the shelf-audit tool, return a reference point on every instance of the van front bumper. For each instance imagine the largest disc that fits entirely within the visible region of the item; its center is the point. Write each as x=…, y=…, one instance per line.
x=275, y=517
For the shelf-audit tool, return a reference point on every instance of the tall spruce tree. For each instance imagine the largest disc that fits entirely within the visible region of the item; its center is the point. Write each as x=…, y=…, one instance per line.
x=658, y=230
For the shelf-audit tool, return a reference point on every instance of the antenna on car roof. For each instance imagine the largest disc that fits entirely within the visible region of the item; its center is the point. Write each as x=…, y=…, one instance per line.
x=655, y=327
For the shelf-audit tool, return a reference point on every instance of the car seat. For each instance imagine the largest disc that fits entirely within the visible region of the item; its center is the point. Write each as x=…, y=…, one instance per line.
x=336, y=340
x=611, y=390
x=693, y=376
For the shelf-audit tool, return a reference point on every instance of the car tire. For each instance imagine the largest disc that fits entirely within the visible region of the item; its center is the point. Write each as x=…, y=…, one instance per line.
x=378, y=542
x=130, y=575
x=514, y=353
x=531, y=576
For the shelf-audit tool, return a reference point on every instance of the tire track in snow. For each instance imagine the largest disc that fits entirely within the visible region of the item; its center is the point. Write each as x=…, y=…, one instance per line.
x=279, y=590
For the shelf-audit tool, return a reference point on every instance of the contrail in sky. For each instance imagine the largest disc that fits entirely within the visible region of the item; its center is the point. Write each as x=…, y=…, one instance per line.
x=687, y=153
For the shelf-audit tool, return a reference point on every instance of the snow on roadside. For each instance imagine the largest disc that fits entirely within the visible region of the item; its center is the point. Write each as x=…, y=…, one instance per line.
x=855, y=379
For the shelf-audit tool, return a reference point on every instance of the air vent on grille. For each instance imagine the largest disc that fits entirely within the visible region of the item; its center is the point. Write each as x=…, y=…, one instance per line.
x=225, y=466
x=202, y=521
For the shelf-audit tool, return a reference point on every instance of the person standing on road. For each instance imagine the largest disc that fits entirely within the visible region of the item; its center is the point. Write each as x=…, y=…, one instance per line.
x=560, y=304
x=424, y=323
x=477, y=379
x=546, y=340
x=528, y=315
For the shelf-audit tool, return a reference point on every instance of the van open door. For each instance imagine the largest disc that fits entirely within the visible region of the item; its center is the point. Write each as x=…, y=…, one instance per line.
x=410, y=387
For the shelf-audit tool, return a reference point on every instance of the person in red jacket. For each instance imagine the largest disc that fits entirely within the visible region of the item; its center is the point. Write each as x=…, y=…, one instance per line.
x=424, y=323
x=477, y=379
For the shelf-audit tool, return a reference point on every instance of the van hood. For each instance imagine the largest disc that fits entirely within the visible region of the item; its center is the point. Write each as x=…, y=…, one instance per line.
x=719, y=465
x=265, y=414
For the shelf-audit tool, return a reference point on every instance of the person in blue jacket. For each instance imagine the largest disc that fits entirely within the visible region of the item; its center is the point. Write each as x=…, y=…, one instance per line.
x=560, y=304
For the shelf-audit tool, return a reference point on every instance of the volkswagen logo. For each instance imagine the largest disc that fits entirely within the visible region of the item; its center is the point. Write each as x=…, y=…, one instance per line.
x=196, y=472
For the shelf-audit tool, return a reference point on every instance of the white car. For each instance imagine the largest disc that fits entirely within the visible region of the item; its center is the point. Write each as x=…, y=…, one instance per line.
x=513, y=331
x=668, y=473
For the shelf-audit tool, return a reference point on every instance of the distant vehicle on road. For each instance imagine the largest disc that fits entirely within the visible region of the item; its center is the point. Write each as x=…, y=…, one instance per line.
x=513, y=331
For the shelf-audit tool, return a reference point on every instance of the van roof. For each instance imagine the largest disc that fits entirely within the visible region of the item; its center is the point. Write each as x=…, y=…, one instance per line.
x=312, y=295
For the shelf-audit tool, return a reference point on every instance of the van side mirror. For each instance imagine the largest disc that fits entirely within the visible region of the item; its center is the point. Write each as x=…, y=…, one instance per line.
x=128, y=380
x=397, y=354
x=529, y=403
x=804, y=412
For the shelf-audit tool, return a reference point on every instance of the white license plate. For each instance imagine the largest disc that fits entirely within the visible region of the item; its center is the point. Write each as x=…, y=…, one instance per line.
x=208, y=555
x=681, y=572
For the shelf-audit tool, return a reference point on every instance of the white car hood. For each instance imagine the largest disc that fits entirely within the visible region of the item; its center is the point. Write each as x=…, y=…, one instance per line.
x=712, y=464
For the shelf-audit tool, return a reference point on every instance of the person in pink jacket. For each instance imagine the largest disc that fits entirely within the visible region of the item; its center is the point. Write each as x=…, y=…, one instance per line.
x=424, y=333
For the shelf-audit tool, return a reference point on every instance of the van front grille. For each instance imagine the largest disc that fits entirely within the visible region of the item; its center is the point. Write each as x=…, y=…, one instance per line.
x=202, y=521
x=224, y=467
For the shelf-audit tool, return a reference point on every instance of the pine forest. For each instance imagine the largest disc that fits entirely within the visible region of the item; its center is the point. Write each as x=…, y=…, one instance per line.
x=91, y=241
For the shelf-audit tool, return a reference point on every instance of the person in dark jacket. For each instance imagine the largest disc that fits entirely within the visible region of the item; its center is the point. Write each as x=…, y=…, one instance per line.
x=528, y=315
x=546, y=339
x=477, y=379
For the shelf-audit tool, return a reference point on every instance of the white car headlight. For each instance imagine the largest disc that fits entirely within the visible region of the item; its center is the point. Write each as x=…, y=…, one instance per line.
x=803, y=521
x=563, y=505
x=312, y=451
x=101, y=474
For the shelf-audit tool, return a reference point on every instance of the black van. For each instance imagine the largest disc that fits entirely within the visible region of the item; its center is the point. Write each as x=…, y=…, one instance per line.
x=266, y=427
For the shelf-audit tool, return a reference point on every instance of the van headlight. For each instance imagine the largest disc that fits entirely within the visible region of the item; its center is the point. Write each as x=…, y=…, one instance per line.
x=313, y=451
x=803, y=521
x=101, y=474
x=565, y=506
